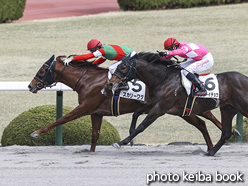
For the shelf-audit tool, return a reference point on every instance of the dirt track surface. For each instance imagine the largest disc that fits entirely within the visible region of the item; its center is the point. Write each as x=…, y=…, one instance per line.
x=129, y=166
x=44, y=9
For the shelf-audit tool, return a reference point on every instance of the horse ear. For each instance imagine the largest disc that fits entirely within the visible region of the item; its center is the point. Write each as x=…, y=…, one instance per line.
x=59, y=58
x=49, y=61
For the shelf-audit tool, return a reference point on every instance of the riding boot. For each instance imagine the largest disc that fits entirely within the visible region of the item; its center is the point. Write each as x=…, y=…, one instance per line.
x=201, y=88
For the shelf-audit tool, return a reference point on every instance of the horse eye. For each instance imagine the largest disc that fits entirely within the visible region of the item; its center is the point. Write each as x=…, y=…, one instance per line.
x=42, y=72
x=123, y=67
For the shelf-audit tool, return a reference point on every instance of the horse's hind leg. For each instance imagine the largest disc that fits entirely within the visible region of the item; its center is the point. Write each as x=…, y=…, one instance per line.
x=227, y=114
x=208, y=115
x=96, y=121
x=153, y=114
x=201, y=126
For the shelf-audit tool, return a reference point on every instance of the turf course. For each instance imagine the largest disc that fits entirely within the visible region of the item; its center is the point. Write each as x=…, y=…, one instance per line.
x=25, y=46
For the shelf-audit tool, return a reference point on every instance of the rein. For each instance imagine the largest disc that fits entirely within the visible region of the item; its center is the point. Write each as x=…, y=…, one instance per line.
x=74, y=87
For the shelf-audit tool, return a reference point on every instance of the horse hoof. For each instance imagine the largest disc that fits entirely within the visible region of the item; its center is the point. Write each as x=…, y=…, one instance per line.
x=131, y=143
x=34, y=135
x=116, y=145
x=236, y=132
x=209, y=153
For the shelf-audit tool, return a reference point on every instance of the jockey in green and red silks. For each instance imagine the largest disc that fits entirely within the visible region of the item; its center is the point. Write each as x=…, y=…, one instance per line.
x=110, y=52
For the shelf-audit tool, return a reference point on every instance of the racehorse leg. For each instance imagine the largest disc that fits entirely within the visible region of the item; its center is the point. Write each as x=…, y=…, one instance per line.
x=227, y=114
x=96, y=121
x=150, y=118
x=135, y=116
x=201, y=126
x=74, y=114
x=208, y=115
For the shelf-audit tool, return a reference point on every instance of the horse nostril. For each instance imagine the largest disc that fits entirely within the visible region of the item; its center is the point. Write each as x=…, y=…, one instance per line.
x=29, y=87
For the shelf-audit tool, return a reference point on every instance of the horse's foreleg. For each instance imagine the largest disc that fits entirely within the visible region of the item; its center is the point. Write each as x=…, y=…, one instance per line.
x=135, y=116
x=74, y=114
x=150, y=118
x=96, y=121
x=201, y=126
x=227, y=114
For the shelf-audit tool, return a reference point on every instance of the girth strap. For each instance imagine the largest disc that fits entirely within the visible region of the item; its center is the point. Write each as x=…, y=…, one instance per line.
x=115, y=103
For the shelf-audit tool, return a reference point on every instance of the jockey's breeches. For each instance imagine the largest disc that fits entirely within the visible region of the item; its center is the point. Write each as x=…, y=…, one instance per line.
x=194, y=66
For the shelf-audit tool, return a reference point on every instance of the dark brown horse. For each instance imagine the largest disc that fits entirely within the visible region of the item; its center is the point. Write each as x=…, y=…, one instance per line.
x=88, y=80
x=168, y=96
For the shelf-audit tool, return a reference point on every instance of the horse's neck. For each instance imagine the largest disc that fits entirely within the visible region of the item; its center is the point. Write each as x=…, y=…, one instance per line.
x=78, y=77
x=69, y=76
x=150, y=74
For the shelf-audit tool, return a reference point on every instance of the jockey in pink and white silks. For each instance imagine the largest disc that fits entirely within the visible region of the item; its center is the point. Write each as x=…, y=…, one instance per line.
x=200, y=59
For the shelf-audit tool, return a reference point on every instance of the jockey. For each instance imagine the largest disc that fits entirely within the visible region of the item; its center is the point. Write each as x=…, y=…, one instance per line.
x=110, y=52
x=200, y=60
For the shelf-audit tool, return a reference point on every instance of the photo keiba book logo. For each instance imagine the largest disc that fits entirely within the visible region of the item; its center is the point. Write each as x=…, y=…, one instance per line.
x=194, y=177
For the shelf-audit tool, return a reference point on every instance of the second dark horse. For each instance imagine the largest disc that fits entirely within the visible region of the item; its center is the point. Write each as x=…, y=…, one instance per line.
x=168, y=96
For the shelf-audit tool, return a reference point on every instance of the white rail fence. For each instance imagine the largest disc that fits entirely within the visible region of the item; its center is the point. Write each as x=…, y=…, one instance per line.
x=23, y=86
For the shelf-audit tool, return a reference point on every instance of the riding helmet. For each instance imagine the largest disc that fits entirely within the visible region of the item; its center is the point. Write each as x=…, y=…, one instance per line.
x=93, y=44
x=169, y=43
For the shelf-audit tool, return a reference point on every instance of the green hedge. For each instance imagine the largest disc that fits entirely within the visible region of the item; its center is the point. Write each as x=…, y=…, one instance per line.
x=166, y=4
x=11, y=10
x=76, y=132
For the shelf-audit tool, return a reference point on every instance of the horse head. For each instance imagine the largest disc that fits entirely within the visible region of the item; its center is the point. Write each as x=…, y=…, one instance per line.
x=124, y=72
x=45, y=77
x=127, y=69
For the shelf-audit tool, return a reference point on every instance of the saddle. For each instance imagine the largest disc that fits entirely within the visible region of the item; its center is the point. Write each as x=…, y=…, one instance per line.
x=210, y=82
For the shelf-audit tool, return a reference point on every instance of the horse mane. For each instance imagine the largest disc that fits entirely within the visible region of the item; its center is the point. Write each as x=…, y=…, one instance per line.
x=81, y=63
x=154, y=58
x=147, y=56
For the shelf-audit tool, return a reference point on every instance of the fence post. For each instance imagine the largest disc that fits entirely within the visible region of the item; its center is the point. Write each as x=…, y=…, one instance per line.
x=239, y=124
x=59, y=114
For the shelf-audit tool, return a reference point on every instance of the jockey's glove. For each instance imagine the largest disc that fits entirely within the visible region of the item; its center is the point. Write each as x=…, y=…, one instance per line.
x=162, y=53
x=68, y=60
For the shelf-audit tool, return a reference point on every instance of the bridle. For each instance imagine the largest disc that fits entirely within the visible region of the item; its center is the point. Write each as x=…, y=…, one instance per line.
x=47, y=78
x=130, y=74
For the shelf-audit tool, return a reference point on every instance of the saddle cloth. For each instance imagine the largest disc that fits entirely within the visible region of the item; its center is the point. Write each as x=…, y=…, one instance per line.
x=209, y=81
x=136, y=91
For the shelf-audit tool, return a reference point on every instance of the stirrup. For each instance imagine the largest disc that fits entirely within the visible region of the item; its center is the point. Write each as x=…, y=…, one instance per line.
x=202, y=92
